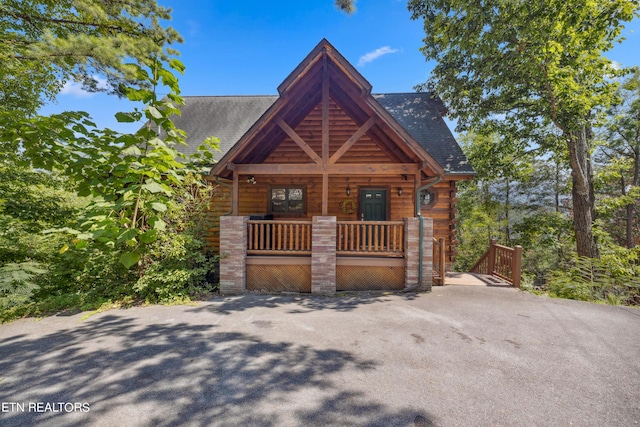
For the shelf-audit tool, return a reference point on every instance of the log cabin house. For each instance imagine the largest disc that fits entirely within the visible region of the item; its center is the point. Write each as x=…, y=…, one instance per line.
x=321, y=188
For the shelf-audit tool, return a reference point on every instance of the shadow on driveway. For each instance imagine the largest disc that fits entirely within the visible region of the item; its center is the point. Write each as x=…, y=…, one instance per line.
x=165, y=375
x=342, y=302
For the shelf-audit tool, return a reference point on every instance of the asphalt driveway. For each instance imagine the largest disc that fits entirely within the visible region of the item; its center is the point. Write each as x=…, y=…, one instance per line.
x=459, y=356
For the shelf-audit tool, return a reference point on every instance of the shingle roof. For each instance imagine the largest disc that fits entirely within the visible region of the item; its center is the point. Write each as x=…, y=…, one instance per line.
x=420, y=114
x=225, y=117
x=230, y=117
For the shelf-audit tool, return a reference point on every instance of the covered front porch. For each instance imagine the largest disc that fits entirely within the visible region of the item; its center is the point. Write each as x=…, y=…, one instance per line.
x=324, y=255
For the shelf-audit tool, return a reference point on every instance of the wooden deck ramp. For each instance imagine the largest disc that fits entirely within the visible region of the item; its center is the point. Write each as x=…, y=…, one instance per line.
x=474, y=279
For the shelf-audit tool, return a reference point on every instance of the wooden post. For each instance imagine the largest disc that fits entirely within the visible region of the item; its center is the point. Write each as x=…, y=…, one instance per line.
x=325, y=136
x=516, y=267
x=491, y=262
x=236, y=193
x=325, y=194
x=442, y=260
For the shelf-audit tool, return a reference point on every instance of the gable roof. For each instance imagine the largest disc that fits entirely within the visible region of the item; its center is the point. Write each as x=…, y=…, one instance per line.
x=230, y=117
x=249, y=127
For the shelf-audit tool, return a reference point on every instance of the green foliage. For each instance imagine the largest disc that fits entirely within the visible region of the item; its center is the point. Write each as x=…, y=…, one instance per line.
x=179, y=270
x=46, y=43
x=347, y=6
x=126, y=222
x=128, y=180
x=30, y=202
x=546, y=238
x=174, y=268
x=478, y=223
x=518, y=68
x=589, y=279
x=17, y=282
x=523, y=61
x=618, y=170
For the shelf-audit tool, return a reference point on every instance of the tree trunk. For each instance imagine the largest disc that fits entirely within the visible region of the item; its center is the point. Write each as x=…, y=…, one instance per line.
x=631, y=208
x=631, y=243
x=557, y=187
x=583, y=193
x=507, y=230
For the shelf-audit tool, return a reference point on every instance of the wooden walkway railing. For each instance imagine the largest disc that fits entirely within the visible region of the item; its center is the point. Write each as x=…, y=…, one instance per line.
x=267, y=237
x=439, y=261
x=501, y=261
x=372, y=238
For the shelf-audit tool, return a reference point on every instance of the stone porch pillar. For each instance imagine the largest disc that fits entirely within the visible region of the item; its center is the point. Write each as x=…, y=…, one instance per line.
x=233, y=255
x=411, y=250
x=427, y=255
x=323, y=255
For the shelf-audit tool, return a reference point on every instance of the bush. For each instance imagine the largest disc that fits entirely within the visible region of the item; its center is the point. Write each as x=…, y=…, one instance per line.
x=177, y=269
x=17, y=283
x=589, y=279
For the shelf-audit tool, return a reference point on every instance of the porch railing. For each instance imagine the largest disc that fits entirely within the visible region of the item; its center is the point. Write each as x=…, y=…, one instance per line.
x=275, y=237
x=364, y=238
x=370, y=238
x=501, y=261
x=439, y=261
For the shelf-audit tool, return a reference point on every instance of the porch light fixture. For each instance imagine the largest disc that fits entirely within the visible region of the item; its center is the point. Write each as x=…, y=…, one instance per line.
x=399, y=191
x=252, y=180
x=348, y=190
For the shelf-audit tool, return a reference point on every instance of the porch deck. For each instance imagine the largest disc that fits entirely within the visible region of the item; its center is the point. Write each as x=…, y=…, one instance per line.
x=324, y=255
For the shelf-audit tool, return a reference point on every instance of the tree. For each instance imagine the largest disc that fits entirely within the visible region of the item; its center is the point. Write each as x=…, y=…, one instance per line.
x=45, y=43
x=142, y=206
x=497, y=159
x=347, y=6
x=521, y=66
x=620, y=155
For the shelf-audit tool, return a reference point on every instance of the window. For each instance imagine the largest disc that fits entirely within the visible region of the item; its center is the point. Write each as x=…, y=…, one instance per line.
x=287, y=200
x=427, y=199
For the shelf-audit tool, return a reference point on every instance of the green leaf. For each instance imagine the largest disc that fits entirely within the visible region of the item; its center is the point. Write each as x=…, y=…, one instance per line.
x=153, y=187
x=82, y=244
x=149, y=236
x=128, y=259
x=168, y=79
x=158, y=224
x=128, y=234
x=124, y=118
x=159, y=207
x=144, y=95
x=153, y=111
x=177, y=65
x=132, y=151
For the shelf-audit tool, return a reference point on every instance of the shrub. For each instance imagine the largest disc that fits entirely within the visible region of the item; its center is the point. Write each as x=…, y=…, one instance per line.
x=590, y=279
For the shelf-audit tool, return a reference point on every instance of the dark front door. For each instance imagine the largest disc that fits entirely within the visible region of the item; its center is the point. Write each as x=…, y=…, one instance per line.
x=373, y=205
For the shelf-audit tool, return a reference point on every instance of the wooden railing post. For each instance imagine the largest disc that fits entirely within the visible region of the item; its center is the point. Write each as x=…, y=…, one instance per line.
x=516, y=266
x=492, y=256
x=443, y=263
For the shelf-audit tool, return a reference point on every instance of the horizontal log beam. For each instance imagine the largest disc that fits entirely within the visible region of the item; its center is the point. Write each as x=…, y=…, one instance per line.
x=315, y=169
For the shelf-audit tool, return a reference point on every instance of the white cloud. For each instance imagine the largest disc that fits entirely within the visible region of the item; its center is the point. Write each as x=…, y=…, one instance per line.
x=372, y=56
x=193, y=28
x=75, y=88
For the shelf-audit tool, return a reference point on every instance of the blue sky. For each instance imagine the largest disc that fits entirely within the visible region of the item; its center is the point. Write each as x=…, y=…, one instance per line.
x=248, y=47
